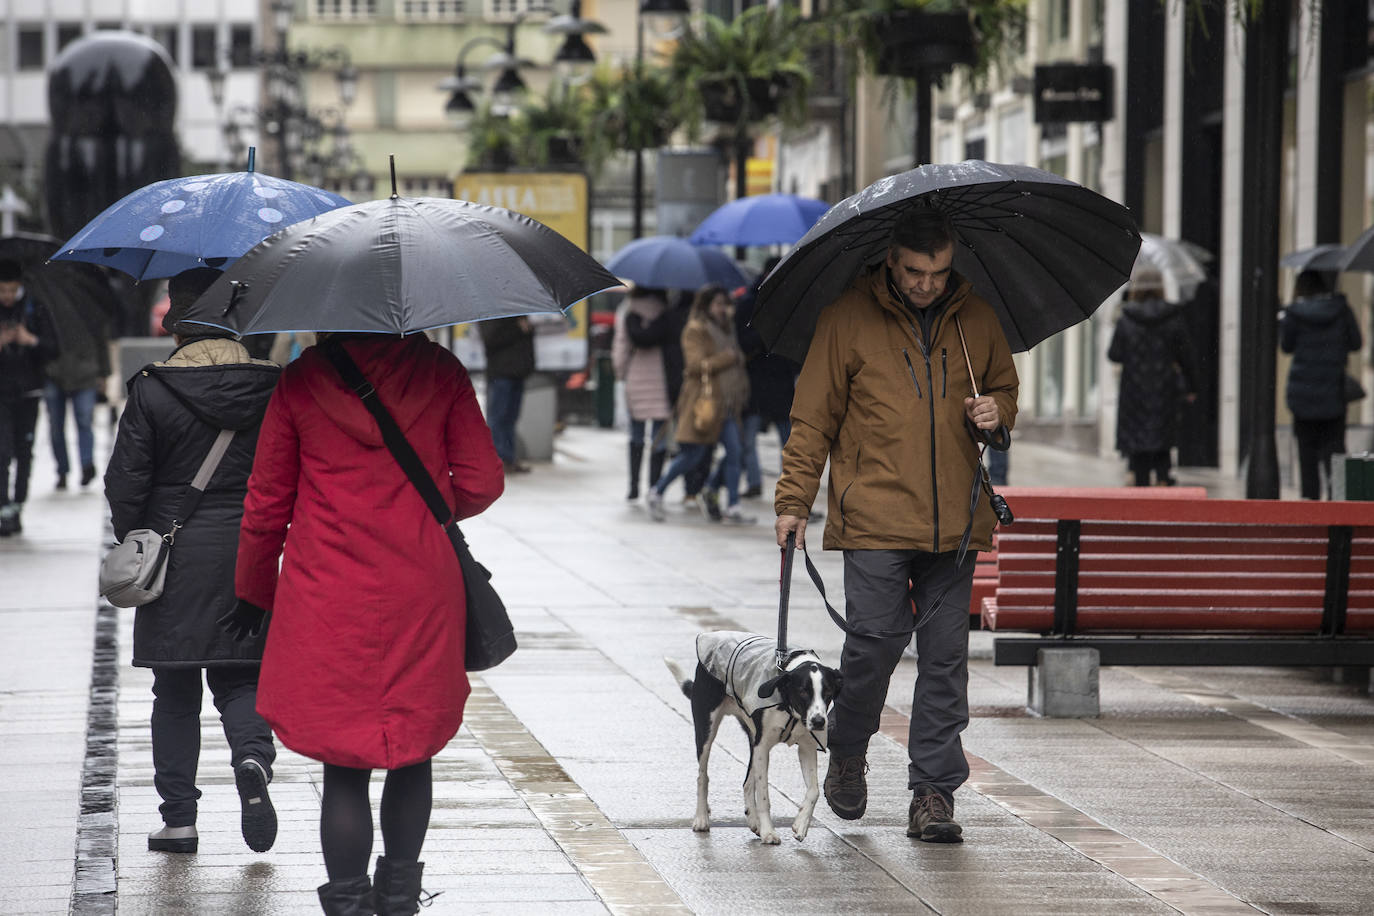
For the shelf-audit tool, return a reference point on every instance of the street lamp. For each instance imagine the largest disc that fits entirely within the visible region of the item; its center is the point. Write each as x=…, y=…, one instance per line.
x=668, y=16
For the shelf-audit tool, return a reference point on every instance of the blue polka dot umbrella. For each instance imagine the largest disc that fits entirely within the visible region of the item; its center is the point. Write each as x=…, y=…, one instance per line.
x=199, y=221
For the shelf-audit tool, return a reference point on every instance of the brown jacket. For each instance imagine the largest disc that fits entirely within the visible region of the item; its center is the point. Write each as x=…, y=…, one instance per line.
x=889, y=414
x=715, y=350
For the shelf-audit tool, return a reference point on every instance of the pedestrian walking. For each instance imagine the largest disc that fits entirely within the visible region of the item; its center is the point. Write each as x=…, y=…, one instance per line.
x=885, y=395
x=714, y=391
x=638, y=359
x=772, y=381
x=27, y=343
x=76, y=377
x=1158, y=373
x=509, y=347
x=364, y=662
x=1320, y=330
x=173, y=415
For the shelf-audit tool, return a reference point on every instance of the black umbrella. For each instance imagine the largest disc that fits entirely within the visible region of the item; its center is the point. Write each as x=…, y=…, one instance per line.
x=1324, y=257
x=72, y=292
x=1044, y=251
x=400, y=265
x=1359, y=254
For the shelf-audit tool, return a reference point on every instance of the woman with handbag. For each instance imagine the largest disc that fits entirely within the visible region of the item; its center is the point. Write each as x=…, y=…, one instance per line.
x=175, y=412
x=715, y=389
x=364, y=666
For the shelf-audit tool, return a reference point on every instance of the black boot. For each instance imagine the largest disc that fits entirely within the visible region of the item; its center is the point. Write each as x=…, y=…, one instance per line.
x=636, y=461
x=397, y=887
x=656, y=465
x=348, y=897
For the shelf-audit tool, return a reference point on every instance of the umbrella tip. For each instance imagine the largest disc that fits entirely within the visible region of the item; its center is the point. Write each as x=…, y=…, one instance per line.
x=252, y=154
x=392, y=157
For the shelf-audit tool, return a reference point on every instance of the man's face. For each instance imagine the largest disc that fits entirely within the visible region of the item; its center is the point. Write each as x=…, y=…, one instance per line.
x=921, y=278
x=9, y=293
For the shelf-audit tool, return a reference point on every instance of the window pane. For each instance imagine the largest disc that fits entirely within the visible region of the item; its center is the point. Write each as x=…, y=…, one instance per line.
x=168, y=36
x=203, y=47
x=31, y=47
x=241, y=46
x=68, y=32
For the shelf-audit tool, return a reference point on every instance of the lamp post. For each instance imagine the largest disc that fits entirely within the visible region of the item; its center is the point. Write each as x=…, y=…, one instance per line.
x=671, y=12
x=283, y=114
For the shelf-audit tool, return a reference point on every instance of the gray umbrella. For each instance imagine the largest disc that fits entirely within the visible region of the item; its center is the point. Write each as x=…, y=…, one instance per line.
x=1324, y=257
x=400, y=265
x=1044, y=251
x=1359, y=254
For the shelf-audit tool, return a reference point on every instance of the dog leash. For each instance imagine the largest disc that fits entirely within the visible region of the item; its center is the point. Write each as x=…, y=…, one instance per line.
x=784, y=592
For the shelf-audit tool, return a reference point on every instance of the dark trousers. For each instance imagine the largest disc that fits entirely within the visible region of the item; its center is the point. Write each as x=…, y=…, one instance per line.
x=1142, y=463
x=83, y=412
x=18, y=417
x=176, y=731
x=1317, y=441
x=879, y=586
x=503, y=409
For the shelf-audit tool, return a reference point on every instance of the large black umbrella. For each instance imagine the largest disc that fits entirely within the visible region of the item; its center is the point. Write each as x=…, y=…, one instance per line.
x=400, y=265
x=1044, y=251
x=77, y=296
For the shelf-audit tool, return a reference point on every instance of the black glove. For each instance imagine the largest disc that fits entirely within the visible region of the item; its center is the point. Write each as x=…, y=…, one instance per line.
x=244, y=621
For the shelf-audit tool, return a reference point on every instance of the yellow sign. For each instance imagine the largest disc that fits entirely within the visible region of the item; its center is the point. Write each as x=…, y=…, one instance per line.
x=559, y=200
x=758, y=176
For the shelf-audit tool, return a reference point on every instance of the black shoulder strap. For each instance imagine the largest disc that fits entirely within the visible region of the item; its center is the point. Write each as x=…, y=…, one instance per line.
x=395, y=440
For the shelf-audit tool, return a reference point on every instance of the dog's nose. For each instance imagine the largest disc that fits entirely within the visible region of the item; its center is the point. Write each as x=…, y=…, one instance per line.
x=817, y=723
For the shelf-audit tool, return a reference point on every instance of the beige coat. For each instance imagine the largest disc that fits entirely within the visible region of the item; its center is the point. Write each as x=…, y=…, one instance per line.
x=709, y=350
x=888, y=413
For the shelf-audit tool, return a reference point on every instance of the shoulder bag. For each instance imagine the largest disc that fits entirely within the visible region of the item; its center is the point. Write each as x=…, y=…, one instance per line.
x=704, y=410
x=490, y=636
x=134, y=571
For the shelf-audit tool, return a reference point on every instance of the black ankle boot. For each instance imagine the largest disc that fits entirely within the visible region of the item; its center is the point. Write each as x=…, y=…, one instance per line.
x=636, y=462
x=347, y=897
x=656, y=465
x=397, y=887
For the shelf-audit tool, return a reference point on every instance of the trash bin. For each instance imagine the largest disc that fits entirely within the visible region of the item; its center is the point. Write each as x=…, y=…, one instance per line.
x=538, y=410
x=1352, y=476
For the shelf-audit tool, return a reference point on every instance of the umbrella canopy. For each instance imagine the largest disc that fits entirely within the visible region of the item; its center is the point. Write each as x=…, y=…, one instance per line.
x=1324, y=257
x=762, y=219
x=668, y=262
x=1359, y=254
x=1043, y=250
x=1175, y=263
x=200, y=221
x=400, y=265
x=71, y=292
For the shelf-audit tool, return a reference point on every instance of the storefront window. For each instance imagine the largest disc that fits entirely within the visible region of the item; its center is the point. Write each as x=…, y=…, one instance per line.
x=1049, y=384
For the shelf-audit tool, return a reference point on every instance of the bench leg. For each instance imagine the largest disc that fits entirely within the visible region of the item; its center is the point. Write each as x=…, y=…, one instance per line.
x=1063, y=683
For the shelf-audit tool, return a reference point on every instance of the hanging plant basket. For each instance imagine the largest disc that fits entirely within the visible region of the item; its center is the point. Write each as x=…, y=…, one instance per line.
x=721, y=99
x=914, y=42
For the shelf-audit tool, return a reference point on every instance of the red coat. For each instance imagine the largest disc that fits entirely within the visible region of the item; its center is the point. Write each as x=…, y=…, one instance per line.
x=364, y=659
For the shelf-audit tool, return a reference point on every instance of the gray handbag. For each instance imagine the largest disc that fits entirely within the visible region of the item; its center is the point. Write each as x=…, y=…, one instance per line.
x=132, y=574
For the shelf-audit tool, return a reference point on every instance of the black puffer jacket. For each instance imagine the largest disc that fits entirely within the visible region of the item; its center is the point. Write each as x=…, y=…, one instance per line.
x=175, y=410
x=21, y=367
x=1320, y=331
x=509, y=347
x=1157, y=369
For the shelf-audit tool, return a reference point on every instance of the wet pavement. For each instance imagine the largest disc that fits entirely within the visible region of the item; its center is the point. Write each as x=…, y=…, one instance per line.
x=571, y=787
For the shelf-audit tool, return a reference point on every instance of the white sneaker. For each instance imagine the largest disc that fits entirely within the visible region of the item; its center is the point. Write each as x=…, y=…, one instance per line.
x=654, y=502
x=734, y=515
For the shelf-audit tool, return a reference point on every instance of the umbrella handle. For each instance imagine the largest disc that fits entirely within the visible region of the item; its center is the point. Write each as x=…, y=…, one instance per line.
x=784, y=591
x=972, y=380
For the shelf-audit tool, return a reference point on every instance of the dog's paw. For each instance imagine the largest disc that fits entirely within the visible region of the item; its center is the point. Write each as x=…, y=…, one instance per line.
x=770, y=838
x=800, y=827
x=701, y=824
x=752, y=821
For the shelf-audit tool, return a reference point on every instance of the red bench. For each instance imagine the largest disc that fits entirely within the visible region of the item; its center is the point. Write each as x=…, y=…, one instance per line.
x=1063, y=499
x=1186, y=581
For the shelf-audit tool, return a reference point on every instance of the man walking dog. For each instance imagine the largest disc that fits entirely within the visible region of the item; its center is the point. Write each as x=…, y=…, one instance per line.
x=886, y=395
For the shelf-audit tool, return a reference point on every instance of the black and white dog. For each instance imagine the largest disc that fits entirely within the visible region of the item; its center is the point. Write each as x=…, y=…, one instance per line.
x=737, y=673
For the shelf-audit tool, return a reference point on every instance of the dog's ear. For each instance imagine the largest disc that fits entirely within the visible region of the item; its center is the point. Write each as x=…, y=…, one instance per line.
x=835, y=680
x=768, y=686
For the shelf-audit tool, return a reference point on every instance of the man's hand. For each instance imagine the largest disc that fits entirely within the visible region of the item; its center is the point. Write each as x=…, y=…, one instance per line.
x=244, y=621
x=789, y=523
x=983, y=412
x=25, y=337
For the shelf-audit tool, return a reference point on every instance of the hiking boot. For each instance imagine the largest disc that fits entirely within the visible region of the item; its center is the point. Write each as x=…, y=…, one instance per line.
x=654, y=502
x=710, y=505
x=846, y=791
x=259, y=818
x=173, y=839
x=931, y=817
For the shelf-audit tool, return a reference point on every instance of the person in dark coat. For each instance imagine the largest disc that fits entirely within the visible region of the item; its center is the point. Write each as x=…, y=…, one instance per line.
x=174, y=412
x=1158, y=371
x=364, y=663
x=772, y=380
x=1320, y=330
x=27, y=342
x=76, y=377
x=509, y=347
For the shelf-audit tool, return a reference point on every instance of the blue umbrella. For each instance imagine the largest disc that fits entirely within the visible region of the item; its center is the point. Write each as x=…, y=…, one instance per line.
x=669, y=262
x=199, y=221
x=764, y=219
